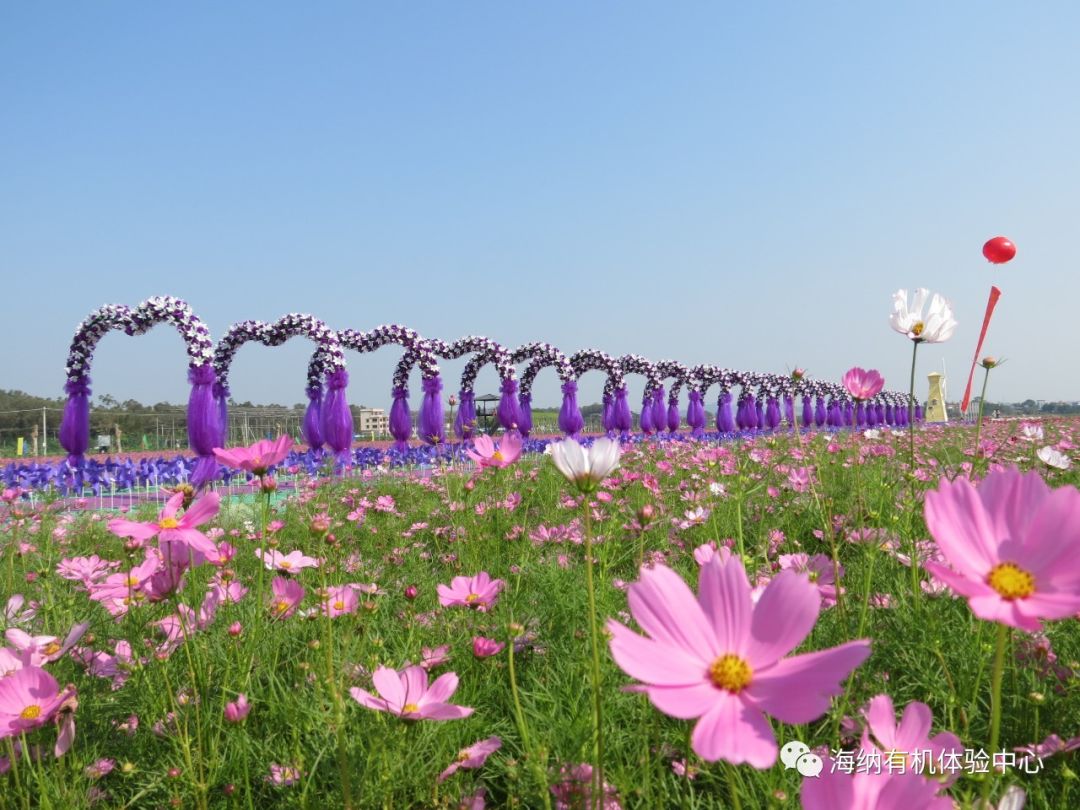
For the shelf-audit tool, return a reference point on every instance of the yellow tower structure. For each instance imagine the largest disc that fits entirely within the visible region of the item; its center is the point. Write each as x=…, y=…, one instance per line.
x=935, y=404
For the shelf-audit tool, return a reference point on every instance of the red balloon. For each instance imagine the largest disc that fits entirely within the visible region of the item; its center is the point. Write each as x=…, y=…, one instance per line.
x=999, y=250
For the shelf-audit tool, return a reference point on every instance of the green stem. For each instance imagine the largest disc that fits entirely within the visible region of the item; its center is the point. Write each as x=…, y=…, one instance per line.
x=538, y=769
x=979, y=421
x=733, y=789
x=594, y=633
x=911, y=405
x=995, y=698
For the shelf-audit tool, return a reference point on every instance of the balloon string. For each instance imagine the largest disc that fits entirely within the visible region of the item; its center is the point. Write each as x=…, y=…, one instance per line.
x=995, y=294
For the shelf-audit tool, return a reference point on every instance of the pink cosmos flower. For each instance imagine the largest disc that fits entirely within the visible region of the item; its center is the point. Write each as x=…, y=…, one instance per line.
x=287, y=595
x=877, y=789
x=177, y=532
x=340, y=599
x=863, y=384
x=44, y=649
x=258, y=458
x=910, y=737
x=236, y=711
x=284, y=775
x=29, y=698
x=721, y=657
x=486, y=647
x=408, y=695
x=286, y=563
x=479, y=592
x=486, y=454
x=1012, y=544
x=432, y=657
x=472, y=757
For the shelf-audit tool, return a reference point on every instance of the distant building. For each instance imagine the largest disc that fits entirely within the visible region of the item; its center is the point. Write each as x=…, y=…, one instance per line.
x=372, y=420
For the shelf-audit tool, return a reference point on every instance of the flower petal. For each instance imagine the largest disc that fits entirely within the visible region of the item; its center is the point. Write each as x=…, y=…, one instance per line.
x=666, y=609
x=736, y=732
x=652, y=662
x=798, y=689
x=783, y=617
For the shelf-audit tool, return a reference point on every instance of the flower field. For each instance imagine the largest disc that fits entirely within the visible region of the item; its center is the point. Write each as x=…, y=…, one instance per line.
x=660, y=623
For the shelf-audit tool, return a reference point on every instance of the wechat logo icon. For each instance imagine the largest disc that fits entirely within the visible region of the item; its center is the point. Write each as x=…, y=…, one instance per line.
x=797, y=755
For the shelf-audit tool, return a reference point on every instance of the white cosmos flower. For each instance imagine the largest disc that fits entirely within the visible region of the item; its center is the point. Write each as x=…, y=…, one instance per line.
x=585, y=470
x=1054, y=458
x=1032, y=432
x=936, y=326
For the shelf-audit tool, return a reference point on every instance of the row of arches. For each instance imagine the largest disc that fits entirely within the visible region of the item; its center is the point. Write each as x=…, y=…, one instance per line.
x=764, y=401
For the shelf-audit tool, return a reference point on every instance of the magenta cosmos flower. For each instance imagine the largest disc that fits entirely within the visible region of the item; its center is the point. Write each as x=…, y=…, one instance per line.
x=258, y=458
x=1012, y=544
x=877, y=789
x=286, y=597
x=479, y=592
x=720, y=657
x=486, y=454
x=472, y=757
x=904, y=743
x=181, y=531
x=287, y=563
x=29, y=698
x=408, y=695
x=863, y=384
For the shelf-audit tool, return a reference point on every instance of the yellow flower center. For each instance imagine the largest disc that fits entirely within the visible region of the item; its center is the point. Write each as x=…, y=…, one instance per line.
x=132, y=582
x=52, y=648
x=281, y=605
x=339, y=605
x=168, y=523
x=472, y=597
x=497, y=455
x=1011, y=581
x=284, y=564
x=895, y=758
x=410, y=708
x=917, y=329
x=730, y=672
x=31, y=712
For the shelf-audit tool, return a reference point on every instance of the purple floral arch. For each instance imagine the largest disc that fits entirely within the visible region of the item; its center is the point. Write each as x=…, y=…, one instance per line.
x=328, y=422
x=680, y=376
x=416, y=352
x=202, y=413
x=653, y=413
x=485, y=351
x=616, y=414
x=540, y=356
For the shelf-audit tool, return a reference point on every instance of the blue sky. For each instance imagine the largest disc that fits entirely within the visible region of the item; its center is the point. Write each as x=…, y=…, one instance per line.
x=738, y=184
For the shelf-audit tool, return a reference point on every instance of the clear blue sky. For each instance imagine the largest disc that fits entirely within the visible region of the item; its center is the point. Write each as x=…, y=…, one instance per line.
x=741, y=184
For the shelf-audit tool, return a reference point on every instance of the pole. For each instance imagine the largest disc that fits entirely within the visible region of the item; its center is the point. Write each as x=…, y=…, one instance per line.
x=44, y=433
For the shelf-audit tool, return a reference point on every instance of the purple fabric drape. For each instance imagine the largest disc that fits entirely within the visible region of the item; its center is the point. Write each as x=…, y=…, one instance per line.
x=772, y=414
x=890, y=414
x=673, y=417
x=807, y=411
x=607, y=415
x=336, y=416
x=313, y=419
x=821, y=416
x=570, y=420
x=465, y=420
x=624, y=420
x=645, y=421
x=202, y=422
x=726, y=422
x=525, y=414
x=507, y=412
x=221, y=399
x=659, y=412
x=75, y=426
x=432, y=430
x=400, y=418
x=695, y=415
